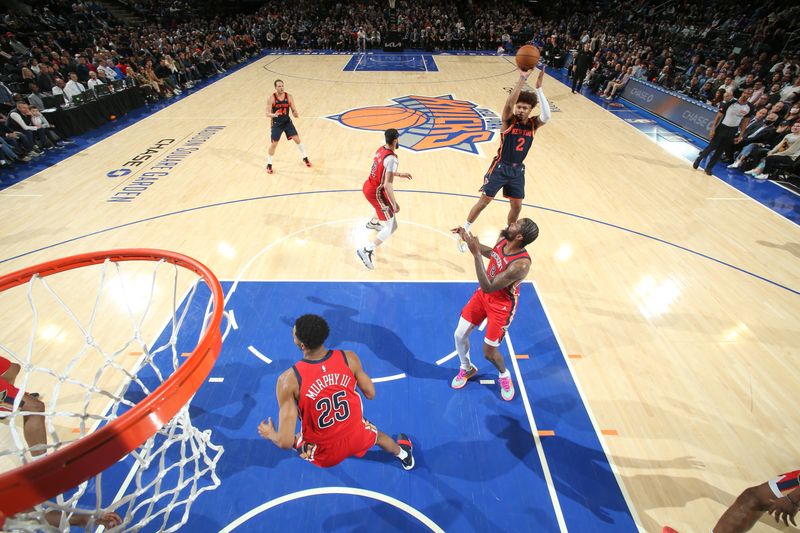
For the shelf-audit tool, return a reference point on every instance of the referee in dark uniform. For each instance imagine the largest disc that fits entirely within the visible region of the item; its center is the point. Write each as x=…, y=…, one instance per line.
x=728, y=128
x=580, y=67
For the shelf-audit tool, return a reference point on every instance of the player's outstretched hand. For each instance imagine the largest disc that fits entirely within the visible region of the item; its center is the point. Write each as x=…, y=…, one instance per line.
x=540, y=78
x=472, y=242
x=783, y=509
x=266, y=429
x=524, y=74
x=461, y=232
x=404, y=175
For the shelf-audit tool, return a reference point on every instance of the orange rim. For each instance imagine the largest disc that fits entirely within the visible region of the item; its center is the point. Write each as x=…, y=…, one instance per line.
x=44, y=478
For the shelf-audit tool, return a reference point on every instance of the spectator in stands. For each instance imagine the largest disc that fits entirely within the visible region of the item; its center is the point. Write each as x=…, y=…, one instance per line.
x=757, y=123
x=793, y=115
x=35, y=97
x=163, y=89
x=758, y=92
x=82, y=70
x=6, y=97
x=692, y=89
x=149, y=88
x=45, y=79
x=93, y=80
x=28, y=75
x=618, y=83
x=775, y=93
x=729, y=85
x=757, y=143
x=19, y=119
x=108, y=72
x=165, y=74
x=694, y=68
x=40, y=121
x=361, y=37
x=59, y=87
x=791, y=93
x=782, y=156
x=779, y=108
x=22, y=144
x=8, y=156
x=73, y=87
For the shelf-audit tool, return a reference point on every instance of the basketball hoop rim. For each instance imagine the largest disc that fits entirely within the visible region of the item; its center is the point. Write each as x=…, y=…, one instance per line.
x=44, y=478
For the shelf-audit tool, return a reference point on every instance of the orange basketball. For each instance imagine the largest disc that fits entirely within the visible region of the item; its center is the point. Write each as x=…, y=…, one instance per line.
x=527, y=57
x=113, y=117
x=382, y=118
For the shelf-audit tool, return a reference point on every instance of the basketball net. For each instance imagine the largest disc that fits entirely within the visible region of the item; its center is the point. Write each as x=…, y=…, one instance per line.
x=392, y=3
x=87, y=356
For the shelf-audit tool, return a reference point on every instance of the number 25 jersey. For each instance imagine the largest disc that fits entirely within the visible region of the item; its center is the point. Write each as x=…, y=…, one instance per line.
x=329, y=404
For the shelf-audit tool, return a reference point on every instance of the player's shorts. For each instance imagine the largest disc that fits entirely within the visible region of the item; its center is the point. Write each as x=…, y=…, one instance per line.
x=355, y=442
x=380, y=202
x=506, y=176
x=5, y=364
x=8, y=393
x=785, y=483
x=286, y=127
x=499, y=314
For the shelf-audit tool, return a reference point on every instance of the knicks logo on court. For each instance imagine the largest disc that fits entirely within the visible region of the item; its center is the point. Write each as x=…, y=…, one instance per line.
x=428, y=122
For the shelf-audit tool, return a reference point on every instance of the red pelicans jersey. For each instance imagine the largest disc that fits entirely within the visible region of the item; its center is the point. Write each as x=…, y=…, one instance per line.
x=329, y=405
x=499, y=262
x=378, y=167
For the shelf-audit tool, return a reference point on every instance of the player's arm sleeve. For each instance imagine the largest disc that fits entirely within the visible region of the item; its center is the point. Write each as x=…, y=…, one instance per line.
x=390, y=165
x=544, y=116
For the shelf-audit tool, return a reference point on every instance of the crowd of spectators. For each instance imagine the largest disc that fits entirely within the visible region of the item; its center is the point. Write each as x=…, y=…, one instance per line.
x=712, y=52
x=709, y=50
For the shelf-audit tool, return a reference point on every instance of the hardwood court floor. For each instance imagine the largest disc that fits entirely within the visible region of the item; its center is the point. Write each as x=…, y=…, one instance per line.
x=678, y=293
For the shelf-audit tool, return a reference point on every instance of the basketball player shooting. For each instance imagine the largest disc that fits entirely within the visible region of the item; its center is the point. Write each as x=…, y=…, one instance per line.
x=321, y=390
x=507, y=170
x=278, y=106
x=495, y=300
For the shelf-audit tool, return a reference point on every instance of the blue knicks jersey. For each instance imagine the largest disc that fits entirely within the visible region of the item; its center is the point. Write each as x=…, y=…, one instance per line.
x=515, y=141
x=281, y=108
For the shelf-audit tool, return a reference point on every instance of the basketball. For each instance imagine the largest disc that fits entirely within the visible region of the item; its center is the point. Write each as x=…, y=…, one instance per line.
x=527, y=57
x=113, y=117
x=381, y=118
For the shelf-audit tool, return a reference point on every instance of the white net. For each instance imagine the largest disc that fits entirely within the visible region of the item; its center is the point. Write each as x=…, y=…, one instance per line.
x=87, y=358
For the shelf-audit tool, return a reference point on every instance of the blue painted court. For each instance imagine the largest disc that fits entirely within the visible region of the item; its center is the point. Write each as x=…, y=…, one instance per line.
x=481, y=464
x=375, y=62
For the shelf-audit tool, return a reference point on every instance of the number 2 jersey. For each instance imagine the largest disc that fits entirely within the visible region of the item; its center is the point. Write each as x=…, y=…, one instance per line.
x=328, y=403
x=516, y=141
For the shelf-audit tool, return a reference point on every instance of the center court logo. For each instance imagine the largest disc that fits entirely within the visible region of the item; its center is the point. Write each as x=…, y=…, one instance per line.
x=428, y=122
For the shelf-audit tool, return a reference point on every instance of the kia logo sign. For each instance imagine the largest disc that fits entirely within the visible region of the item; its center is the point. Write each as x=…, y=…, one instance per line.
x=393, y=45
x=642, y=95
